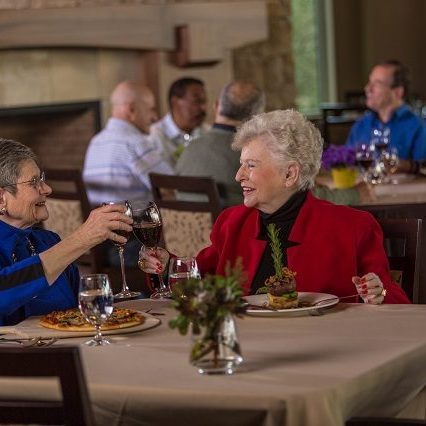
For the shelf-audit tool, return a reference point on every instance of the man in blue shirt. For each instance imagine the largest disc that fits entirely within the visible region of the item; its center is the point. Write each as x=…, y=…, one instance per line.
x=385, y=92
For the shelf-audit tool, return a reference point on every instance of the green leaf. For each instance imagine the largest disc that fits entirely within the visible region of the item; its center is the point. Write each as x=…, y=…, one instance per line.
x=276, y=248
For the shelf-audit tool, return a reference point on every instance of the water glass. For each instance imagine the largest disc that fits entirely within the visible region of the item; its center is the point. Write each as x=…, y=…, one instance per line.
x=181, y=269
x=95, y=300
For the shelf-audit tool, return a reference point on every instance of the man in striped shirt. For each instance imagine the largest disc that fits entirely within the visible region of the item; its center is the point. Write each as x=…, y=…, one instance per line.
x=120, y=157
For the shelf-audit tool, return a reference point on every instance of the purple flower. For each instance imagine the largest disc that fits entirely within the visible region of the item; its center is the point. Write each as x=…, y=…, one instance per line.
x=338, y=156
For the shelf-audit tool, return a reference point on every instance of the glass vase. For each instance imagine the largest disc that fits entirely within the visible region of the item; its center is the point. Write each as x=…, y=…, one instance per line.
x=216, y=349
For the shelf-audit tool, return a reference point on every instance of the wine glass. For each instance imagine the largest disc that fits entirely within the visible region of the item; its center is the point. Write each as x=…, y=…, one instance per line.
x=125, y=292
x=364, y=156
x=147, y=226
x=389, y=159
x=181, y=269
x=95, y=301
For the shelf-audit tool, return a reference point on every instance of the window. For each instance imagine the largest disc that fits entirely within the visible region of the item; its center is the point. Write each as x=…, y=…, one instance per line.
x=313, y=53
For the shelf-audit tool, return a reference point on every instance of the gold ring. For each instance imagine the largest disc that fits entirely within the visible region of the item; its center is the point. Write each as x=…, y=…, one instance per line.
x=384, y=292
x=142, y=264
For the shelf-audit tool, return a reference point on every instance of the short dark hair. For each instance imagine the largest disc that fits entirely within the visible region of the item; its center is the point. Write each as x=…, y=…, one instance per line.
x=401, y=75
x=178, y=87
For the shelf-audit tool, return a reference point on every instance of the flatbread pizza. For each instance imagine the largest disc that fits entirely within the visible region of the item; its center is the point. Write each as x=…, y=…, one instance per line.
x=73, y=320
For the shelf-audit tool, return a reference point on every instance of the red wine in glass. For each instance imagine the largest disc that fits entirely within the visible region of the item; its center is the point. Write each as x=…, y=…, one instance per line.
x=148, y=233
x=365, y=163
x=147, y=227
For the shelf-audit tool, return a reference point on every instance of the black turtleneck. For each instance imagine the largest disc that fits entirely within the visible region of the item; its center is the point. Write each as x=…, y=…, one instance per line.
x=284, y=219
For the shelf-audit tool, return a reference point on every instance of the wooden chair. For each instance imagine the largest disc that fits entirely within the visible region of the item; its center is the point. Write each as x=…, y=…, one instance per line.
x=186, y=224
x=402, y=242
x=68, y=208
x=337, y=120
x=63, y=362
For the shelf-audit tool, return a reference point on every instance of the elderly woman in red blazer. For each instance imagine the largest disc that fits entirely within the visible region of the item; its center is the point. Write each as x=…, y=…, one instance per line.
x=333, y=249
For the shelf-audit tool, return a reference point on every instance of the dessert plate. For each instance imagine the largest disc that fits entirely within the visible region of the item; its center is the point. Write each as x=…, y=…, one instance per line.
x=310, y=302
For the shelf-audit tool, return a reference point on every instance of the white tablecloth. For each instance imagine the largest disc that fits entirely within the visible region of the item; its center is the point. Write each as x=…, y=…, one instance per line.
x=356, y=360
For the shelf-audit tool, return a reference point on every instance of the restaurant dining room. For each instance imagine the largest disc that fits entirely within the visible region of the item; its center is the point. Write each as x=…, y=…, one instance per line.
x=211, y=212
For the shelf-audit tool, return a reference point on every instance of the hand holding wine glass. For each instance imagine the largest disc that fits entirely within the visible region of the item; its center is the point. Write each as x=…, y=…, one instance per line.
x=95, y=301
x=125, y=292
x=147, y=226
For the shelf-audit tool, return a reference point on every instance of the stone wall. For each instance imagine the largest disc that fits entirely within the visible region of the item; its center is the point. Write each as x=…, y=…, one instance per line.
x=270, y=63
x=29, y=76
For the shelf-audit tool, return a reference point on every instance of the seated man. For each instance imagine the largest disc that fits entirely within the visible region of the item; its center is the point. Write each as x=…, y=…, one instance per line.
x=120, y=157
x=187, y=102
x=211, y=154
x=386, y=91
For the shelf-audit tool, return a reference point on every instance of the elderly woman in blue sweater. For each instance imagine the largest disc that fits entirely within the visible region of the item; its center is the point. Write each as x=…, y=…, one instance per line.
x=36, y=271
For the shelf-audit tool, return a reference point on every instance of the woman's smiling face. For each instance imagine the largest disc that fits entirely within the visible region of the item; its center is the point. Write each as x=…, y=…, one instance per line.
x=28, y=205
x=264, y=183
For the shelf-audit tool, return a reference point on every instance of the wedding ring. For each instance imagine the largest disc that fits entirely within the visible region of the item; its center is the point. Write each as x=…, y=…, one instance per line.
x=142, y=264
x=383, y=293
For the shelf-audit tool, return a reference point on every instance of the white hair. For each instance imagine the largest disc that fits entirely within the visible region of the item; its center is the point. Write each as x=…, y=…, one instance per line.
x=288, y=136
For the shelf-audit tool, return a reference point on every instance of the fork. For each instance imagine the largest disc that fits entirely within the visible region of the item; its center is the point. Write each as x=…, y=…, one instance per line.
x=34, y=341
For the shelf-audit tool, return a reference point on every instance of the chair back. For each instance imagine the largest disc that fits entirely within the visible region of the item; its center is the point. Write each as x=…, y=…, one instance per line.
x=69, y=207
x=186, y=224
x=337, y=120
x=63, y=362
x=402, y=243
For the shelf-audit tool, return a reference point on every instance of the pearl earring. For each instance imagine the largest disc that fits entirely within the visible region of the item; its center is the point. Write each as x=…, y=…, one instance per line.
x=3, y=211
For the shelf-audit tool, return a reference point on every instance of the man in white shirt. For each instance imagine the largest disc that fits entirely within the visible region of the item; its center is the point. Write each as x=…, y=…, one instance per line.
x=187, y=102
x=120, y=157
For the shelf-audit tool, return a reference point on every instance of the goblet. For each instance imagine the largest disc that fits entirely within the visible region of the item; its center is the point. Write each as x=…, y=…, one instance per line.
x=147, y=226
x=181, y=269
x=125, y=292
x=95, y=301
x=389, y=159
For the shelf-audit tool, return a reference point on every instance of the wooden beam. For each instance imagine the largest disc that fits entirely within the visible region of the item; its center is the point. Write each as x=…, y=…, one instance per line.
x=213, y=27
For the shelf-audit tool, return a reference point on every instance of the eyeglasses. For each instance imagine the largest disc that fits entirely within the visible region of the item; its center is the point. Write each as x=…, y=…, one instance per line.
x=36, y=182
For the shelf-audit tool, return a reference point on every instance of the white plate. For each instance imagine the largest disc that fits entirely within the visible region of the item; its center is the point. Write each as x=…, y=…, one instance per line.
x=261, y=299
x=32, y=328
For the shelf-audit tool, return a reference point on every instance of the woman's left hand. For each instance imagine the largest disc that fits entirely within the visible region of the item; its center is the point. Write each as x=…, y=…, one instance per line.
x=370, y=288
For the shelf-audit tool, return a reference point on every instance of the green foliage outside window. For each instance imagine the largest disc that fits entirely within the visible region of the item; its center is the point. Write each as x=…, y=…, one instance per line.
x=305, y=52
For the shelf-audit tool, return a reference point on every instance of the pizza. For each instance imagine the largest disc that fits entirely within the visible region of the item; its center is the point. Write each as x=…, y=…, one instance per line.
x=73, y=320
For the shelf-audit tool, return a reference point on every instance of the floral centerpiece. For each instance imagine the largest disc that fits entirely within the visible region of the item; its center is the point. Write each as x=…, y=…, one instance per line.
x=341, y=160
x=206, y=307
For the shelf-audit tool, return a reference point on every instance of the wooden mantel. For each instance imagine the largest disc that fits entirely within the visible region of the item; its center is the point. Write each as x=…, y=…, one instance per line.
x=212, y=27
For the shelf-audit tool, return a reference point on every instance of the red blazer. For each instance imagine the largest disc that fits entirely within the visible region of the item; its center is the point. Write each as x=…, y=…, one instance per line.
x=335, y=244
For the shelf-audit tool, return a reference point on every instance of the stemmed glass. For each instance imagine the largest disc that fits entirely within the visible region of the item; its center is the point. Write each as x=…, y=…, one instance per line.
x=95, y=301
x=380, y=139
x=125, y=292
x=389, y=159
x=147, y=226
x=181, y=269
x=365, y=160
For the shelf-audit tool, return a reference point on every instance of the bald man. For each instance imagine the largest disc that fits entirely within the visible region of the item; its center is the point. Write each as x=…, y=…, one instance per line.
x=120, y=157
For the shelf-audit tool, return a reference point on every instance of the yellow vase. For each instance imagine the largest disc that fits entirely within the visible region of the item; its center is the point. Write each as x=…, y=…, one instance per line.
x=344, y=177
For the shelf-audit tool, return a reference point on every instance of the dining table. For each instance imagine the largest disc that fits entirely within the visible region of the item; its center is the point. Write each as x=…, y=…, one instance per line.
x=316, y=367
x=399, y=189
